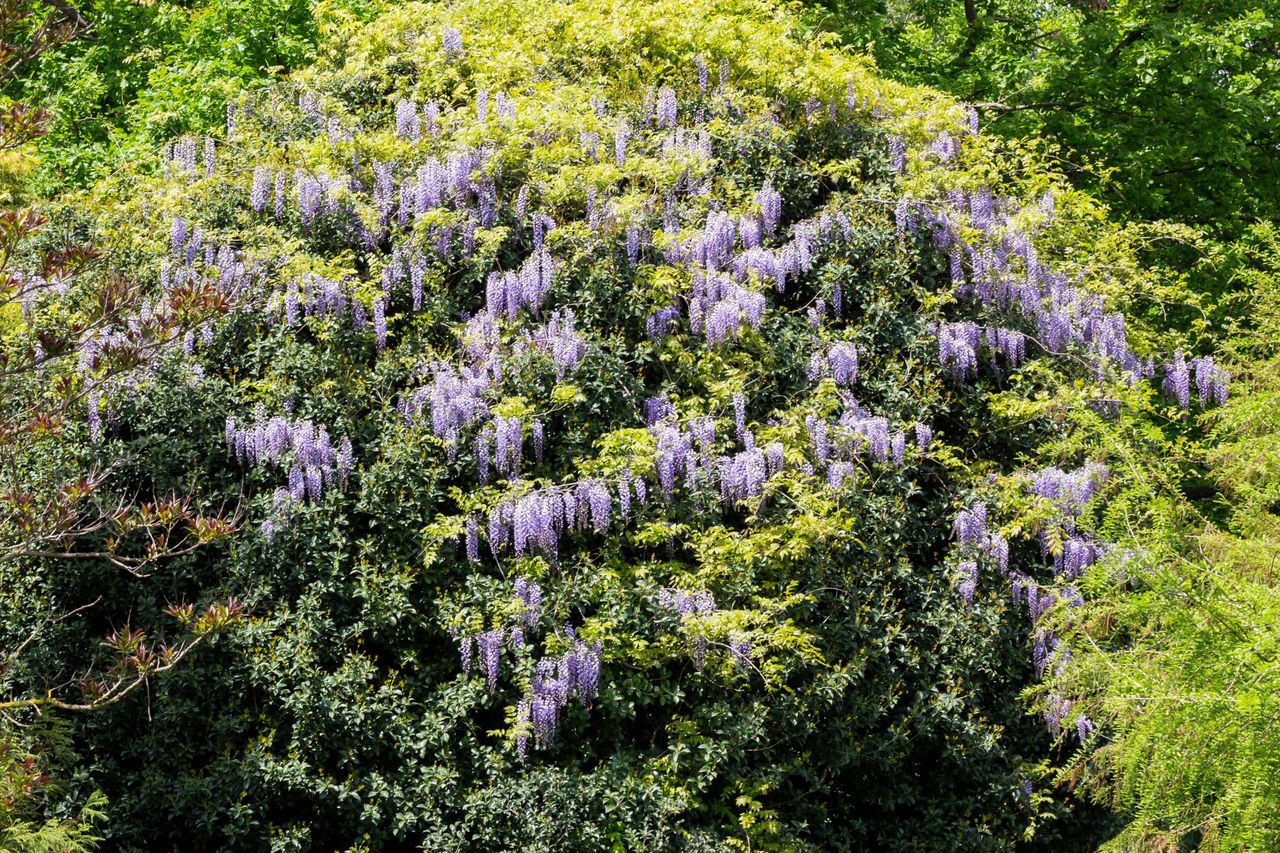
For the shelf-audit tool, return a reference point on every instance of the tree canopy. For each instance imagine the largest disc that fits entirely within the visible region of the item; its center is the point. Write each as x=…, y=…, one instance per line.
x=556, y=425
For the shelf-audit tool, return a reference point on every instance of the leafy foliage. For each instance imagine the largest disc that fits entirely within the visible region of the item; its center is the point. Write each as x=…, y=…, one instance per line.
x=1166, y=110
x=1178, y=647
x=591, y=430
x=146, y=72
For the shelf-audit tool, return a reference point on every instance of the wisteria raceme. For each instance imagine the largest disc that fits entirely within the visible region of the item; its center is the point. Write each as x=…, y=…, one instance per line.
x=541, y=226
x=314, y=195
x=574, y=675
x=634, y=238
x=742, y=476
x=657, y=409
x=969, y=583
x=561, y=340
x=523, y=724
x=770, y=203
x=451, y=42
x=843, y=360
x=740, y=415
x=687, y=602
x=997, y=549
x=408, y=125
x=183, y=154
x=1211, y=381
x=380, y=323
x=529, y=594
x=279, y=194
x=507, y=293
x=1008, y=343
x=1070, y=491
x=507, y=446
x=177, y=236
x=666, y=107
x=924, y=436
x=871, y=433
x=539, y=436
x=774, y=458
x=456, y=398
x=719, y=308
x=701, y=66
x=1084, y=727
x=1078, y=553
x=316, y=464
x=898, y=155
x=472, y=540
x=1042, y=650
x=624, y=496
x=660, y=323
x=596, y=498
x=545, y=712
x=971, y=525
x=466, y=648
x=489, y=645
x=957, y=348
x=261, y=187
x=817, y=430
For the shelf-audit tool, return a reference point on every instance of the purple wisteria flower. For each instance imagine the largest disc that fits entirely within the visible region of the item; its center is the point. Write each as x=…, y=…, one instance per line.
x=770, y=203
x=451, y=42
x=971, y=525
x=924, y=436
x=969, y=583
x=490, y=647
x=957, y=349
x=1211, y=382
x=529, y=594
x=574, y=675
x=843, y=360
x=666, y=107
x=260, y=188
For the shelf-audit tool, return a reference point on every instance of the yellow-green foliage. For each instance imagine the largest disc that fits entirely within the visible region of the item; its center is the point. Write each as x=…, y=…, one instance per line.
x=1177, y=651
x=875, y=706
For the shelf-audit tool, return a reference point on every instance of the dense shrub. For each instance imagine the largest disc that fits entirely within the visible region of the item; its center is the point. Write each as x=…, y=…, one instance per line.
x=627, y=412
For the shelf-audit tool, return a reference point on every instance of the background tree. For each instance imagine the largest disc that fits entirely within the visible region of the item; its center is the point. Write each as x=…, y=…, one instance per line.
x=1164, y=110
x=72, y=328
x=1176, y=652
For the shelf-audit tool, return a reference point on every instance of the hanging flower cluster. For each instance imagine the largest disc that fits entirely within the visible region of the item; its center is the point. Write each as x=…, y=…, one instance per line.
x=535, y=521
x=841, y=446
x=1210, y=381
x=841, y=363
x=446, y=184
x=994, y=262
x=525, y=288
x=1070, y=552
x=573, y=675
x=315, y=463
